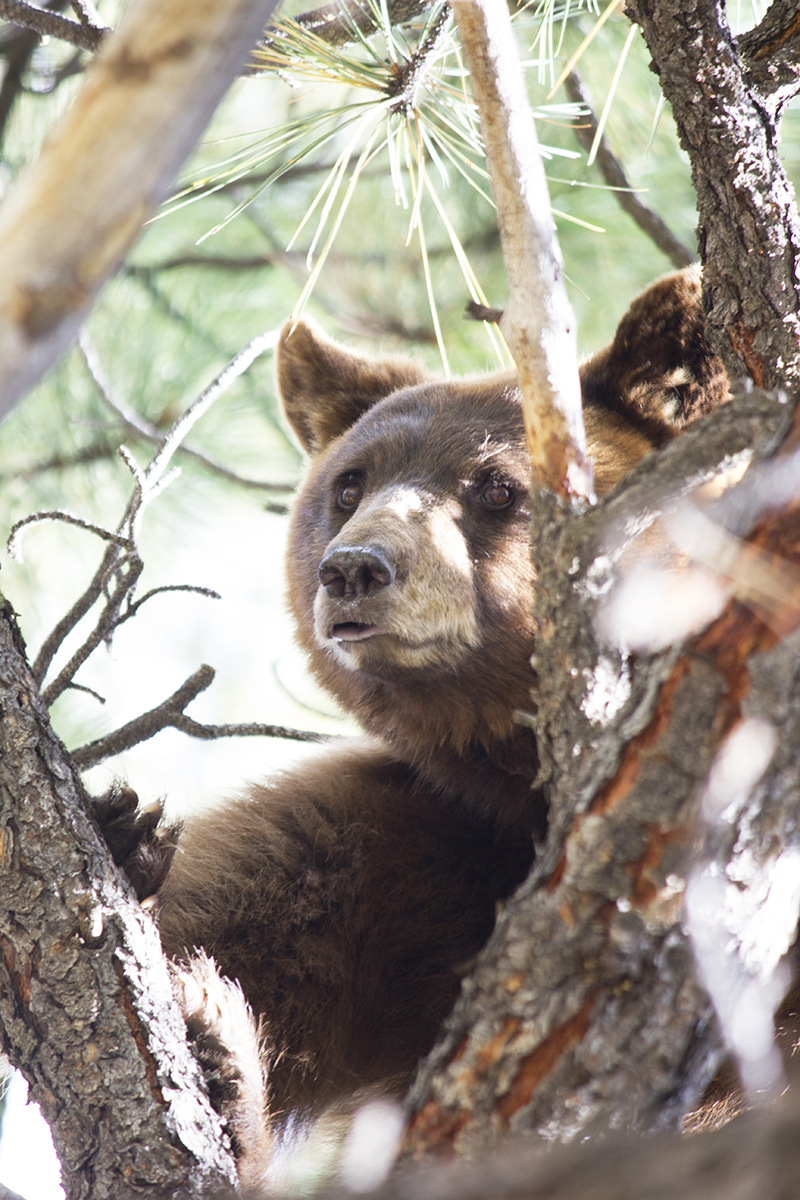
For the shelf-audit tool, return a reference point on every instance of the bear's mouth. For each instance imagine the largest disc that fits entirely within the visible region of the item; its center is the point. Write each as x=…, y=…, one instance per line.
x=353, y=631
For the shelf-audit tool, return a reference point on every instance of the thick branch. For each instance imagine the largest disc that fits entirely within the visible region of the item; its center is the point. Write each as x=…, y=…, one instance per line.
x=613, y=173
x=538, y=323
x=749, y=232
x=69, y=220
x=771, y=54
x=584, y=1011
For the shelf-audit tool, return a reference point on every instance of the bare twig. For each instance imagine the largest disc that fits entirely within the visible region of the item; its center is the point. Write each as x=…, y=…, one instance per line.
x=87, y=14
x=49, y=24
x=57, y=514
x=170, y=714
x=144, y=429
x=538, y=324
x=134, y=606
x=405, y=89
x=614, y=174
x=118, y=574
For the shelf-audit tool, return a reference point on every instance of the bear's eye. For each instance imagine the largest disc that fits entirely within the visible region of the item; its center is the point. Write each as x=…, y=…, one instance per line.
x=497, y=494
x=349, y=495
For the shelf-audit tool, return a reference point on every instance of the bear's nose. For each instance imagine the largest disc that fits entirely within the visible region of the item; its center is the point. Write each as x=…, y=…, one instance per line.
x=356, y=570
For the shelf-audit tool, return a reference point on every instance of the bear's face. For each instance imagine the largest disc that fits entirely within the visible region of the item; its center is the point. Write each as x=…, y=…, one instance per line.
x=414, y=537
x=409, y=566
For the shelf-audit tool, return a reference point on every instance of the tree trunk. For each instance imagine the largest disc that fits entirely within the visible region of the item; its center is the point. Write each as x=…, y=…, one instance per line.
x=749, y=231
x=86, y=1006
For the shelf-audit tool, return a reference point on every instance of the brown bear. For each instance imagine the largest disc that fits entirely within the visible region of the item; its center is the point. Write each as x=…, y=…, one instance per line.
x=348, y=895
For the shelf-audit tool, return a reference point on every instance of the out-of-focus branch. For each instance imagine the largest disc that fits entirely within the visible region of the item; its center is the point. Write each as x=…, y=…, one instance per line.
x=69, y=220
x=538, y=324
x=138, y=425
x=614, y=174
x=50, y=24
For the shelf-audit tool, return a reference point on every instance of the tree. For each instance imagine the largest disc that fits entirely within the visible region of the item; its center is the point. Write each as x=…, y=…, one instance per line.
x=541, y=1042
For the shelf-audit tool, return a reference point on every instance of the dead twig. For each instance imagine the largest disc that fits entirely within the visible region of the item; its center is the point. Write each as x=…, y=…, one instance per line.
x=143, y=428
x=171, y=714
x=614, y=174
x=117, y=576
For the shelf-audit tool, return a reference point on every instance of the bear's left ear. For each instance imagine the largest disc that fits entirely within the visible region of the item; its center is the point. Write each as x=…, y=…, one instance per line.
x=324, y=388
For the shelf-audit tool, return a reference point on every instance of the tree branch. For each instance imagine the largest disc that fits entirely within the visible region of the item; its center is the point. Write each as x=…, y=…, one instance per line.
x=614, y=174
x=538, y=322
x=68, y=221
x=143, y=429
x=51, y=24
x=118, y=574
x=341, y=22
x=770, y=53
x=749, y=231
x=86, y=1006
x=591, y=956
x=170, y=714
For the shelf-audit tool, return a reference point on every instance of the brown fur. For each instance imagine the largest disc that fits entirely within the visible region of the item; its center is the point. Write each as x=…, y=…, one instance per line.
x=347, y=895
x=346, y=898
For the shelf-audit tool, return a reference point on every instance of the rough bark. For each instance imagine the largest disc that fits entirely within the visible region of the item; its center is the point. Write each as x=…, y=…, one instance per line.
x=748, y=231
x=72, y=216
x=86, y=1006
x=538, y=323
x=585, y=1012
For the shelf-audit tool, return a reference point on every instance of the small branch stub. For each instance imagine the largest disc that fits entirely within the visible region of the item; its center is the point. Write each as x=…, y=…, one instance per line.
x=538, y=325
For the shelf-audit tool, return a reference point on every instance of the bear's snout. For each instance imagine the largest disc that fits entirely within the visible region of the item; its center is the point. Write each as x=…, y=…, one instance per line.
x=356, y=571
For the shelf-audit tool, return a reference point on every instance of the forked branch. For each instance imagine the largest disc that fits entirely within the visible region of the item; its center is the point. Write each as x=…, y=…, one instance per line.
x=171, y=714
x=118, y=575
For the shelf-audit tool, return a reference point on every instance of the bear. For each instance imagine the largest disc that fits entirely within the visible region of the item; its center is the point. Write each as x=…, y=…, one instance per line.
x=349, y=895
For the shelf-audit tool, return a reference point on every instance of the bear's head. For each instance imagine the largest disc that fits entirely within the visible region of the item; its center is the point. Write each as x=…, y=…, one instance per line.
x=409, y=571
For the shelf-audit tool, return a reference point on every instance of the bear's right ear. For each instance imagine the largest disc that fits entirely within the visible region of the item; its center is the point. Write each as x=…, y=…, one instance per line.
x=324, y=388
